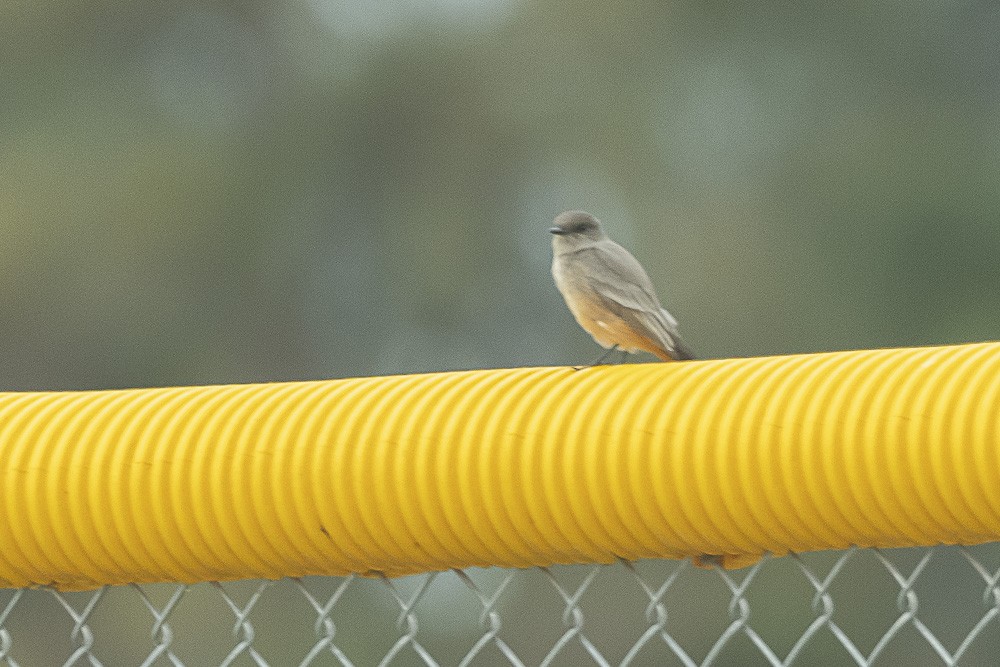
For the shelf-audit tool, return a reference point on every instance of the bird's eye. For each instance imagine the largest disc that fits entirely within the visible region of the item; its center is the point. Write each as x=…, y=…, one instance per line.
x=581, y=227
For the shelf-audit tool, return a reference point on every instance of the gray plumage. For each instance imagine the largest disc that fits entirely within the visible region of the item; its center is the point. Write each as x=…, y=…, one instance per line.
x=608, y=291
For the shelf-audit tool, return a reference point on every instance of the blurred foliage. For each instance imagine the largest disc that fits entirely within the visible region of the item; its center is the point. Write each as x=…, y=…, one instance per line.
x=226, y=191
x=222, y=191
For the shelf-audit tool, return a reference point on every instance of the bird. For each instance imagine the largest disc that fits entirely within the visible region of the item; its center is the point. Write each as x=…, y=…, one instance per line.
x=609, y=293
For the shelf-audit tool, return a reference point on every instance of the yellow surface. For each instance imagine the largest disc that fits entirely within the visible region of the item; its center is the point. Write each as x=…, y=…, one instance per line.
x=501, y=467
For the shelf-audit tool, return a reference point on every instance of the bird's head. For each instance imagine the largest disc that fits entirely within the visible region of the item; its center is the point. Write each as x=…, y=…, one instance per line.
x=575, y=228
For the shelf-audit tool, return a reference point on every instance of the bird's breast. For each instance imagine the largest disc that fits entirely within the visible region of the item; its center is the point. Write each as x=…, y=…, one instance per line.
x=570, y=283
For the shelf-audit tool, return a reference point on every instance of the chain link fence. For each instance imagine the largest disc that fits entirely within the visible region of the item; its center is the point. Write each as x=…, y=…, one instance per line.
x=857, y=607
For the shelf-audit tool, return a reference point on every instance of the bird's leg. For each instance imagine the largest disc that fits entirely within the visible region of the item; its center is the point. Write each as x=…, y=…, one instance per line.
x=596, y=362
x=607, y=353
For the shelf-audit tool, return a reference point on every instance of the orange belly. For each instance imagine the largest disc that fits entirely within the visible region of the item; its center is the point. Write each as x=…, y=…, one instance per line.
x=610, y=330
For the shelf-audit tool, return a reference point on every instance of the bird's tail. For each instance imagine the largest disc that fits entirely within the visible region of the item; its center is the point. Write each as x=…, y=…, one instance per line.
x=671, y=346
x=681, y=351
x=678, y=351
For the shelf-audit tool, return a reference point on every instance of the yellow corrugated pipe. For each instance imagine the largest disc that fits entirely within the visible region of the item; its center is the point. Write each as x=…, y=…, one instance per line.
x=513, y=468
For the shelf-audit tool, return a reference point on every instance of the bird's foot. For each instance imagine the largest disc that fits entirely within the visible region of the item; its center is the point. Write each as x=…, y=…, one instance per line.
x=604, y=355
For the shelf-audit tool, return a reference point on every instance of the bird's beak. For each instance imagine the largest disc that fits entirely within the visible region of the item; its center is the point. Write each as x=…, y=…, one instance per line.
x=558, y=231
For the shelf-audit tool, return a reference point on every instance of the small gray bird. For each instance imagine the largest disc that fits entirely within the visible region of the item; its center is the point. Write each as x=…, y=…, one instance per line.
x=608, y=291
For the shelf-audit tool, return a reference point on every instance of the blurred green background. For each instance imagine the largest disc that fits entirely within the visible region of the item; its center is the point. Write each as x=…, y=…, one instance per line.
x=214, y=192
x=243, y=191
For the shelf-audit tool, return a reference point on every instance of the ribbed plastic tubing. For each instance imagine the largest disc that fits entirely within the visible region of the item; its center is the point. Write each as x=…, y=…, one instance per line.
x=510, y=468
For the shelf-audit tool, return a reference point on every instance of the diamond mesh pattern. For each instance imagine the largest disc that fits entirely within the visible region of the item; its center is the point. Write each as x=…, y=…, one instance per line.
x=863, y=607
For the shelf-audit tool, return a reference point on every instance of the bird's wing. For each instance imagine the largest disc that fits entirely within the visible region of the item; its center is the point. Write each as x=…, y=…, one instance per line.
x=618, y=276
x=621, y=283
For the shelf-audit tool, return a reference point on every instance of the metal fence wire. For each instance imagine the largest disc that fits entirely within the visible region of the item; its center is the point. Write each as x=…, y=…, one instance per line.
x=857, y=607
